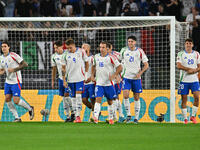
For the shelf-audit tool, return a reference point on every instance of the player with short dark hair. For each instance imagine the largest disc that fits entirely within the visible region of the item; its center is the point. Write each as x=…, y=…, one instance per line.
x=188, y=62
x=12, y=64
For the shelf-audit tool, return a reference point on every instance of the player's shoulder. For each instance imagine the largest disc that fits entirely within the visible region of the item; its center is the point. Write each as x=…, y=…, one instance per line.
x=13, y=54
x=180, y=53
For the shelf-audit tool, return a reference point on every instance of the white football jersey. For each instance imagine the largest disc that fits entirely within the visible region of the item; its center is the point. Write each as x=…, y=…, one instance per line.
x=90, y=61
x=56, y=62
x=105, y=67
x=131, y=60
x=12, y=60
x=189, y=60
x=75, y=65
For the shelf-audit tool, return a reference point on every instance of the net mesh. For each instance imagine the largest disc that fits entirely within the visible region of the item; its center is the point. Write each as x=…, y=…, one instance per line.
x=34, y=42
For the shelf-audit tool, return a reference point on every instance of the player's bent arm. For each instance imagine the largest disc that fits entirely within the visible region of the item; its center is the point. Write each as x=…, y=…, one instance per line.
x=54, y=70
x=181, y=67
x=146, y=66
x=93, y=71
x=2, y=71
x=21, y=66
x=198, y=68
x=86, y=66
x=118, y=70
x=63, y=71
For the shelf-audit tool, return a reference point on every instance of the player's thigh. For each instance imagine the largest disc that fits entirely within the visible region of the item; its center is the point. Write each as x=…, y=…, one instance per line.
x=183, y=88
x=110, y=93
x=72, y=89
x=136, y=86
x=99, y=92
x=126, y=86
x=61, y=88
x=85, y=94
x=16, y=90
x=195, y=87
x=79, y=86
x=7, y=89
x=91, y=91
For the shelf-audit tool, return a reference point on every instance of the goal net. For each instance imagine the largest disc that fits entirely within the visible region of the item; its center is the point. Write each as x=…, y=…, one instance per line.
x=33, y=39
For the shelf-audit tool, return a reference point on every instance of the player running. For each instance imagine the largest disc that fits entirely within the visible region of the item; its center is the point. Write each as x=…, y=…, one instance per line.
x=11, y=64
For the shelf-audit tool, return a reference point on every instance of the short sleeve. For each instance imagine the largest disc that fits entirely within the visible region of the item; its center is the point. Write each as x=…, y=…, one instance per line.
x=53, y=61
x=114, y=61
x=179, y=57
x=84, y=55
x=16, y=57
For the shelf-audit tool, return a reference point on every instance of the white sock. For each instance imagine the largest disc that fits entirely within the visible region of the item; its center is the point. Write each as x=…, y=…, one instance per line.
x=69, y=100
x=78, y=104
x=97, y=109
x=66, y=106
x=110, y=111
x=73, y=104
x=114, y=105
x=194, y=110
x=137, y=109
x=184, y=113
x=24, y=104
x=127, y=107
x=119, y=108
x=12, y=108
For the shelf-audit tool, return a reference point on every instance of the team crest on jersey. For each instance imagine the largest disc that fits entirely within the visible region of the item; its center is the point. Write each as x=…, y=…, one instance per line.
x=185, y=58
x=127, y=54
x=57, y=58
x=69, y=56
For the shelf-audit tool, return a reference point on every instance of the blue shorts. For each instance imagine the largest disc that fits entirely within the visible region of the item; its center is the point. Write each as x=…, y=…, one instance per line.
x=184, y=87
x=89, y=91
x=14, y=89
x=61, y=88
x=134, y=85
x=76, y=86
x=107, y=91
x=118, y=88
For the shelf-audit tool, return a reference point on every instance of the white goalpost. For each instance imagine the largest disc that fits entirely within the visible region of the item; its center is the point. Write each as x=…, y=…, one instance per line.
x=161, y=37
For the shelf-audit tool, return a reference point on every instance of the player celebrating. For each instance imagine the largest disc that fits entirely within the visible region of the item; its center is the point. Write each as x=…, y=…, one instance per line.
x=188, y=61
x=104, y=65
x=11, y=64
x=118, y=87
x=64, y=92
x=74, y=61
x=132, y=57
x=89, y=85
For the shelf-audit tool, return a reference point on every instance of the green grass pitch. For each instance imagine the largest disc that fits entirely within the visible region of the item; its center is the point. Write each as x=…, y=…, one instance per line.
x=102, y=136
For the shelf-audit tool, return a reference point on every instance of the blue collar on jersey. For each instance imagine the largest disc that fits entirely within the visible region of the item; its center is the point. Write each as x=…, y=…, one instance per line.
x=187, y=52
x=133, y=50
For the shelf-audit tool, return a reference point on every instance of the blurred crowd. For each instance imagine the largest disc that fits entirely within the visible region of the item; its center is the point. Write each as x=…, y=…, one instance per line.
x=69, y=8
x=183, y=10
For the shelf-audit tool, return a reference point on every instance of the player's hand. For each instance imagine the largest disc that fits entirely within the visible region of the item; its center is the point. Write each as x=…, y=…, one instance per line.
x=65, y=84
x=138, y=75
x=10, y=70
x=93, y=79
x=191, y=71
x=88, y=80
x=118, y=79
x=112, y=77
